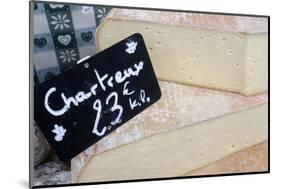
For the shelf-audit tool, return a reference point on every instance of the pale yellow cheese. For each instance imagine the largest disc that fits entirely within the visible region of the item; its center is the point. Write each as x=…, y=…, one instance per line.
x=214, y=51
x=180, y=106
x=177, y=152
x=252, y=159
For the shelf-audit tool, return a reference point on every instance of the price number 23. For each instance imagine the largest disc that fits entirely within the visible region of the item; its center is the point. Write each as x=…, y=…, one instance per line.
x=115, y=107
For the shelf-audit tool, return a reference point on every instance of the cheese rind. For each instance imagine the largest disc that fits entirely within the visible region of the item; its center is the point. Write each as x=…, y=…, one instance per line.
x=252, y=159
x=174, y=153
x=226, y=23
x=197, y=49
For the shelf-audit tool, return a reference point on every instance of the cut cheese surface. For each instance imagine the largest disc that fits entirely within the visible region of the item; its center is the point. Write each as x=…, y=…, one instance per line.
x=221, y=52
x=252, y=159
x=182, y=150
x=180, y=106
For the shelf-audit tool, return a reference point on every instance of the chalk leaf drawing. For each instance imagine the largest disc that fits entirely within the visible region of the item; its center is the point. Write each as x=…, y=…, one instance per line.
x=59, y=131
x=131, y=47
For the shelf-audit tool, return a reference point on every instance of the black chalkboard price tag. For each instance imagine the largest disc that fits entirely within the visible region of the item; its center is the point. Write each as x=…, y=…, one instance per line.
x=84, y=104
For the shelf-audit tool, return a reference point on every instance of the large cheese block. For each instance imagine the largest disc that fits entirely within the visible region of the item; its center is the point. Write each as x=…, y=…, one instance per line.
x=180, y=106
x=214, y=51
x=174, y=153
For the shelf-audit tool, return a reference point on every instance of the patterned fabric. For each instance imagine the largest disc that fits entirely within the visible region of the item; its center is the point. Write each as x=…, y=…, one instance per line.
x=63, y=34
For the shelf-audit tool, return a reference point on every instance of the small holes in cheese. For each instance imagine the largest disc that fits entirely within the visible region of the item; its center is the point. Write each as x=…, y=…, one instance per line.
x=158, y=43
x=230, y=51
x=196, y=44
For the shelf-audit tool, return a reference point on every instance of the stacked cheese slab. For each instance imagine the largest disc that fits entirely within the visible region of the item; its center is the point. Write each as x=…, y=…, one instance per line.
x=222, y=52
x=213, y=114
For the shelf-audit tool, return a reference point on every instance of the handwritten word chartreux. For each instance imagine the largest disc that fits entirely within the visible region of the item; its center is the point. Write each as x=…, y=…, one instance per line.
x=104, y=82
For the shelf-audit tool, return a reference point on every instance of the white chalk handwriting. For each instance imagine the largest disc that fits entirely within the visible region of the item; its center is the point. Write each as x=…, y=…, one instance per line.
x=111, y=102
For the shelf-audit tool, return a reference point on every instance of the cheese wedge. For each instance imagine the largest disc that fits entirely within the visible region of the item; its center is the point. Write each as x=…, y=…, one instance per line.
x=214, y=51
x=174, y=153
x=180, y=106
